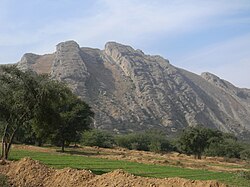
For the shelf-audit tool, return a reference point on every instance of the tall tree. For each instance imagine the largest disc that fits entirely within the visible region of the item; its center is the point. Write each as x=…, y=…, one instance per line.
x=48, y=106
x=74, y=117
x=18, y=96
x=194, y=140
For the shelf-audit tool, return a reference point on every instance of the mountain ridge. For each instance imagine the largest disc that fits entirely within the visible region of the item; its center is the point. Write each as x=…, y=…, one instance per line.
x=131, y=91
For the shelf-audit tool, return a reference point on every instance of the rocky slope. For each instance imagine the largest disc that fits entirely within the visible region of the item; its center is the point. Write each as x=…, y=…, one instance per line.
x=131, y=91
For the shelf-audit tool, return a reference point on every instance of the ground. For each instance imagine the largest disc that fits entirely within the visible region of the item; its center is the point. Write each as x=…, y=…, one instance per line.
x=30, y=173
x=27, y=172
x=173, y=158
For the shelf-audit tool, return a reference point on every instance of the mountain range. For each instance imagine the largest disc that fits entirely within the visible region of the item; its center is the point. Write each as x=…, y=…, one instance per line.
x=132, y=91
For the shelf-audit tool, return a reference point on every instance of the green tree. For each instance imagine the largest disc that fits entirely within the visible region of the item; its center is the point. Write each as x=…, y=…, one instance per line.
x=66, y=116
x=19, y=97
x=245, y=154
x=151, y=140
x=226, y=145
x=98, y=138
x=73, y=117
x=194, y=140
x=31, y=100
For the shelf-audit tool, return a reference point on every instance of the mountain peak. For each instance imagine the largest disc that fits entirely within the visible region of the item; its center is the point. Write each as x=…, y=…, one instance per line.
x=209, y=76
x=113, y=48
x=70, y=45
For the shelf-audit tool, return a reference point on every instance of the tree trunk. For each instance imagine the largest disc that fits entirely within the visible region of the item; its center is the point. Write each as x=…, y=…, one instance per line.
x=63, y=145
x=4, y=141
x=6, y=151
x=9, y=145
x=40, y=143
x=199, y=155
x=3, y=148
x=6, y=144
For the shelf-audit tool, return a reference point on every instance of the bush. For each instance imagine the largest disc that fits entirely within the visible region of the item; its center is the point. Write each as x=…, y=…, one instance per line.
x=194, y=140
x=97, y=138
x=136, y=141
x=229, y=148
x=147, y=141
x=245, y=154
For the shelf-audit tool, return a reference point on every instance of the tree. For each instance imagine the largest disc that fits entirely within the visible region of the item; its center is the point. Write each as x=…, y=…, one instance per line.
x=98, y=138
x=18, y=100
x=225, y=145
x=152, y=140
x=73, y=117
x=48, y=107
x=194, y=140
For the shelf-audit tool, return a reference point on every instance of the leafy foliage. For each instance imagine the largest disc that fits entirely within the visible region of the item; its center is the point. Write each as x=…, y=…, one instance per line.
x=98, y=138
x=194, y=140
x=226, y=147
x=19, y=99
x=245, y=154
x=200, y=140
x=73, y=116
x=35, y=108
x=148, y=141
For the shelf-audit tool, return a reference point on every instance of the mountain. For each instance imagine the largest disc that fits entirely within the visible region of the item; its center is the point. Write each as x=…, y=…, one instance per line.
x=131, y=91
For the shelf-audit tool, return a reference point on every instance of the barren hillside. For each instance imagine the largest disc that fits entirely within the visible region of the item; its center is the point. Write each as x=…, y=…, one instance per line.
x=131, y=91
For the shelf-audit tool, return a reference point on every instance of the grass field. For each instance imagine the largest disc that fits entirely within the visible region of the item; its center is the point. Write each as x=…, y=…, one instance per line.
x=100, y=166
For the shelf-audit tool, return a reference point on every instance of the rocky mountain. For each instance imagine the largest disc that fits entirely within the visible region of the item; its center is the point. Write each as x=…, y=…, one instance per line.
x=131, y=91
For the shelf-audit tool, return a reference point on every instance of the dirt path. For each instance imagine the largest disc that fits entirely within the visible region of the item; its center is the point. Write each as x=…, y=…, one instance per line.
x=30, y=173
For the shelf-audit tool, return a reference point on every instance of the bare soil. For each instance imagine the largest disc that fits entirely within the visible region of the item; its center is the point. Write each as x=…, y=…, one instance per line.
x=30, y=173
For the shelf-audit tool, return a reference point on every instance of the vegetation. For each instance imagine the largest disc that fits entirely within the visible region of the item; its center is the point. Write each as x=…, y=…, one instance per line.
x=98, y=138
x=100, y=166
x=225, y=147
x=20, y=96
x=195, y=141
x=35, y=108
x=74, y=116
x=245, y=154
x=200, y=140
x=147, y=141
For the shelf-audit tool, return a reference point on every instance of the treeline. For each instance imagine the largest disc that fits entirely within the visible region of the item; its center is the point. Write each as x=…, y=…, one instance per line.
x=195, y=141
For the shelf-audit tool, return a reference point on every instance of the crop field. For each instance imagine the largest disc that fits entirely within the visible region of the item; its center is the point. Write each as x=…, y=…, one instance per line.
x=102, y=165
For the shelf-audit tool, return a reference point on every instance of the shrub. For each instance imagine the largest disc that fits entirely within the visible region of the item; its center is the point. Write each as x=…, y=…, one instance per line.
x=245, y=154
x=97, y=138
x=229, y=148
x=123, y=141
x=136, y=141
x=146, y=141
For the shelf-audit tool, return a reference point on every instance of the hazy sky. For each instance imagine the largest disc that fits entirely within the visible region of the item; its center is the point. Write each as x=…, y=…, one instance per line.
x=198, y=35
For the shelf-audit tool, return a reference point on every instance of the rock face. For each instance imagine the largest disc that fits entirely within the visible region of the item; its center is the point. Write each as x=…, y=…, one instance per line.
x=130, y=91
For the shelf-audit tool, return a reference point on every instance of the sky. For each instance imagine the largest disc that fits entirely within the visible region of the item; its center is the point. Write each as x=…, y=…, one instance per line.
x=197, y=35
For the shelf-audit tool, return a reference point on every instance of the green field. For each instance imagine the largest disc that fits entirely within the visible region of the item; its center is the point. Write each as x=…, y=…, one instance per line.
x=100, y=166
